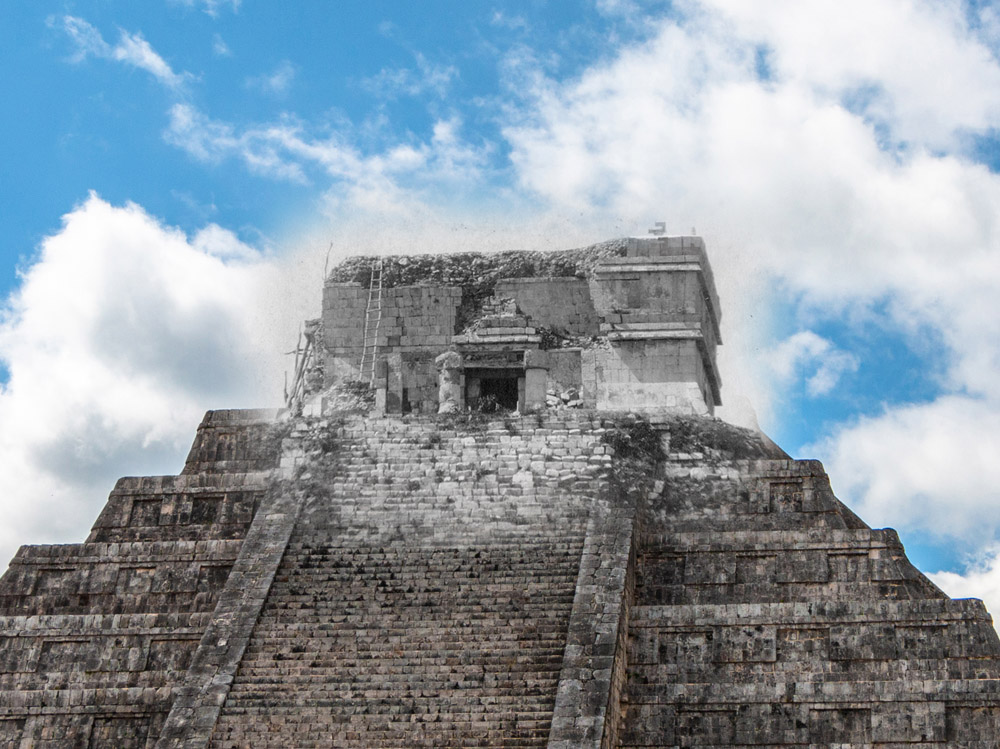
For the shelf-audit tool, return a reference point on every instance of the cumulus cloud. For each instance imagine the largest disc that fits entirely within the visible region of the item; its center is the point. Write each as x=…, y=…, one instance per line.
x=121, y=334
x=912, y=65
x=132, y=49
x=930, y=467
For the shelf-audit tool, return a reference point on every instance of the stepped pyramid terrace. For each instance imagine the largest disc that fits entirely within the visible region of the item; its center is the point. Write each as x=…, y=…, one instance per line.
x=496, y=512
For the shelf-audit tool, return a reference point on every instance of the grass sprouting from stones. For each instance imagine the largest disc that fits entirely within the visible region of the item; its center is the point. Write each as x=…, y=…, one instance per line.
x=718, y=439
x=637, y=450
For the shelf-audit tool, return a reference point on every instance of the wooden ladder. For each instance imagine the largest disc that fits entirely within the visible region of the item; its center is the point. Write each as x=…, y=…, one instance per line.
x=373, y=320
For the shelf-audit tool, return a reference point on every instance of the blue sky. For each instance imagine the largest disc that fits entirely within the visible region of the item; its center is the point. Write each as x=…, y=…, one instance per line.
x=173, y=172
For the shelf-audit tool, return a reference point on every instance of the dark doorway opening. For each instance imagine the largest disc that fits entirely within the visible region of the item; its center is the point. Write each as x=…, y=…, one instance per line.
x=498, y=392
x=491, y=390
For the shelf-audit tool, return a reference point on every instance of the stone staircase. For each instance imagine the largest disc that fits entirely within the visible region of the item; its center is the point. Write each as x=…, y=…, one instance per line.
x=95, y=636
x=765, y=613
x=425, y=594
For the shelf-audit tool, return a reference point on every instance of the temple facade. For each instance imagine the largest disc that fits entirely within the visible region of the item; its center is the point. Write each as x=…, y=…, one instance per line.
x=634, y=328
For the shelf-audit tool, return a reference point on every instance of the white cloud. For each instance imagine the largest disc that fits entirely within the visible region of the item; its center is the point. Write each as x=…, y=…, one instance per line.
x=391, y=83
x=219, y=47
x=453, y=158
x=929, y=467
x=286, y=150
x=211, y=7
x=277, y=82
x=212, y=141
x=617, y=7
x=215, y=241
x=989, y=26
x=920, y=67
x=503, y=20
x=132, y=49
x=807, y=352
x=88, y=39
x=121, y=334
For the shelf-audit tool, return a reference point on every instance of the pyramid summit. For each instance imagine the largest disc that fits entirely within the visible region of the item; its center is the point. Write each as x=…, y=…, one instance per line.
x=625, y=325
x=496, y=512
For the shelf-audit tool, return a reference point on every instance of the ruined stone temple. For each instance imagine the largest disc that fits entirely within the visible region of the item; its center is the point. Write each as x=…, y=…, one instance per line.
x=497, y=512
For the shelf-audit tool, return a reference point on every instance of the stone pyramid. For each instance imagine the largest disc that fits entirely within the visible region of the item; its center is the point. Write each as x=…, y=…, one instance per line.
x=568, y=577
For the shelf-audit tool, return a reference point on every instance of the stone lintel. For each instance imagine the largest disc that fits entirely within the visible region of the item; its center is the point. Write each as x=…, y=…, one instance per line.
x=654, y=335
x=624, y=266
x=523, y=339
x=537, y=359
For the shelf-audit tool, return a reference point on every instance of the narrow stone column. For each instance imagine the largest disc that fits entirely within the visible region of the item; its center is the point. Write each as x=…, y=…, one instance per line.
x=381, y=385
x=536, y=375
x=449, y=365
x=394, y=383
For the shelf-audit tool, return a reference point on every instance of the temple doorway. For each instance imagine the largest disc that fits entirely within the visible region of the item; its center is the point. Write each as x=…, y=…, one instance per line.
x=494, y=389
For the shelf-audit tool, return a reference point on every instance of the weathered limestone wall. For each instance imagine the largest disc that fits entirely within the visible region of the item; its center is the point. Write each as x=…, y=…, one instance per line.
x=627, y=285
x=586, y=712
x=767, y=614
x=198, y=700
x=566, y=371
x=666, y=280
x=684, y=251
x=562, y=304
x=418, y=382
x=664, y=375
x=413, y=318
x=187, y=507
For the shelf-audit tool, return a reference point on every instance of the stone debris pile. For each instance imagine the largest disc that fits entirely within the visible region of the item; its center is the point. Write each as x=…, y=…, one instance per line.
x=566, y=399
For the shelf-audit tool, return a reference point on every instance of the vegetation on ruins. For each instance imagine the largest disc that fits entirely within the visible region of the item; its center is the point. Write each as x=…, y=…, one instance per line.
x=637, y=450
x=715, y=438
